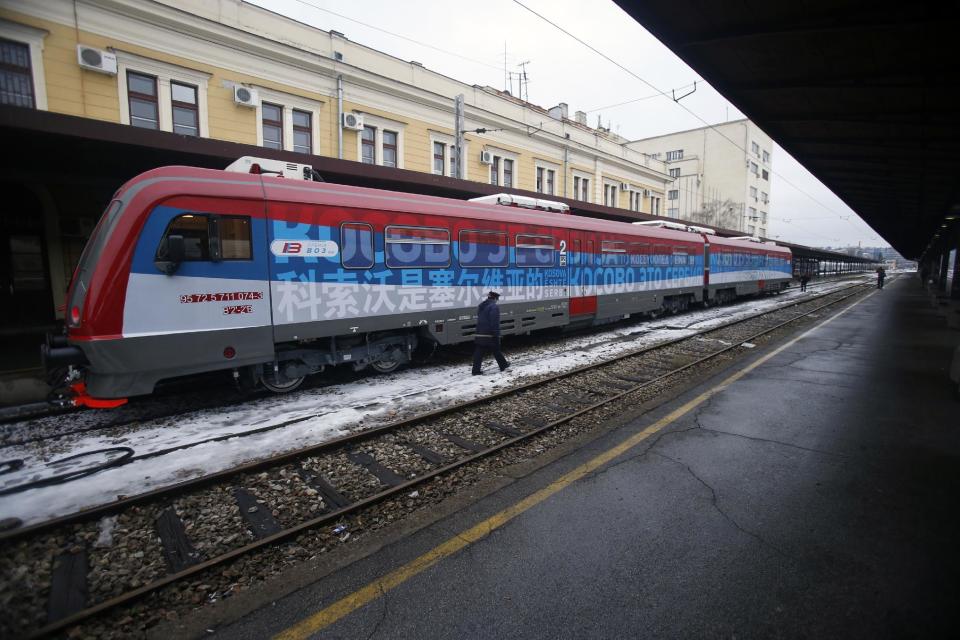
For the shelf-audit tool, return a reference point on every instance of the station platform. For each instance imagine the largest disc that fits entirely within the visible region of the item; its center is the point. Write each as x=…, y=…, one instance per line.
x=807, y=491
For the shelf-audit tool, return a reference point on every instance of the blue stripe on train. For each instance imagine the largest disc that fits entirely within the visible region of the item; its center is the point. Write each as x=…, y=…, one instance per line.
x=583, y=268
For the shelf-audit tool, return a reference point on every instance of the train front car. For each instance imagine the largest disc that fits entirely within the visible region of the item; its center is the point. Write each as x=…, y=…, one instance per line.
x=367, y=277
x=172, y=282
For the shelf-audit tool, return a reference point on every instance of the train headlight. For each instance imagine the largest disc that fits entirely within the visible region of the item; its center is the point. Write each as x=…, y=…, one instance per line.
x=75, y=316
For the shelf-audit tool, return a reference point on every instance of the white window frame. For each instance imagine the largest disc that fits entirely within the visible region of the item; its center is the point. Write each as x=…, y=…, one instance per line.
x=378, y=124
x=676, y=154
x=753, y=193
x=673, y=195
x=765, y=197
x=33, y=39
x=673, y=212
x=674, y=172
x=611, y=193
x=289, y=102
x=766, y=157
x=636, y=199
x=755, y=148
x=546, y=166
x=449, y=145
x=583, y=176
x=165, y=73
x=502, y=155
x=754, y=168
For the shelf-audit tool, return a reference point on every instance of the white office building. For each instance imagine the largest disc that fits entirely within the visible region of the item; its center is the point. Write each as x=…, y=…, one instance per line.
x=721, y=175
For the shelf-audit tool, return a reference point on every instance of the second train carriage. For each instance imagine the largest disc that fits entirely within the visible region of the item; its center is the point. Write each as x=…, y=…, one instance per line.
x=194, y=270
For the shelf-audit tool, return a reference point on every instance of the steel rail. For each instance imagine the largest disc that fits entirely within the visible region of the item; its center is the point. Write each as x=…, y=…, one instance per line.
x=399, y=489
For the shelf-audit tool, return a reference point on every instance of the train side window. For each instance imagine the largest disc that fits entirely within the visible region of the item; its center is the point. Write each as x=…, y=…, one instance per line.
x=356, y=245
x=417, y=247
x=195, y=230
x=234, y=237
x=210, y=237
x=534, y=251
x=613, y=252
x=483, y=249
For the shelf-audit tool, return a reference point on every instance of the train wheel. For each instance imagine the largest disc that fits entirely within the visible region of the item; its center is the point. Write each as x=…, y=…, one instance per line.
x=385, y=366
x=281, y=384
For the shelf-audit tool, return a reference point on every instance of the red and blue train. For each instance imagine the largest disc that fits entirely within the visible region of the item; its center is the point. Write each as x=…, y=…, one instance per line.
x=193, y=270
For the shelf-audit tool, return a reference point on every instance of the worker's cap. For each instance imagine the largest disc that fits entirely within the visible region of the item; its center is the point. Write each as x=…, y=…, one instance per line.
x=494, y=295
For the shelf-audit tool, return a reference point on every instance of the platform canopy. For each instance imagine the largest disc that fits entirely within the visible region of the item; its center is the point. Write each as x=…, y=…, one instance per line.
x=861, y=93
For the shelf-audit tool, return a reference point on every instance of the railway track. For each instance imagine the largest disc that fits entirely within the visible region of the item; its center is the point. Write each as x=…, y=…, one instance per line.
x=263, y=504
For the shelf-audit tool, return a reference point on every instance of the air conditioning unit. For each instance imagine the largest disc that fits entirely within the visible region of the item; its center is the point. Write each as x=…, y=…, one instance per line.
x=245, y=96
x=96, y=60
x=486, y=157
x=352, y=121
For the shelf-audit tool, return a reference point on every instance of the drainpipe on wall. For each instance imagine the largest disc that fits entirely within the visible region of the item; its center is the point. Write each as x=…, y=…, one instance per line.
x=340, y=117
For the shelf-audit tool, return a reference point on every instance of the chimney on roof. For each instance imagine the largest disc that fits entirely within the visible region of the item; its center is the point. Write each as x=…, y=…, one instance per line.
x=559, y=112
x=581, y=117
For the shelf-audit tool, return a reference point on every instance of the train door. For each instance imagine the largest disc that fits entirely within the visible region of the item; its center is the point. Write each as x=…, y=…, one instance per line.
x=583, y=299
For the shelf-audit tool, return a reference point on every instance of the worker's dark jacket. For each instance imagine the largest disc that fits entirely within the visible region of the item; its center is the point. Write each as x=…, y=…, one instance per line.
x=488, y=319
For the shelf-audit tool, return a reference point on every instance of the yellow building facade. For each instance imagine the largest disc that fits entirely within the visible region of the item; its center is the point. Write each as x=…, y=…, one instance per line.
x=234, y=72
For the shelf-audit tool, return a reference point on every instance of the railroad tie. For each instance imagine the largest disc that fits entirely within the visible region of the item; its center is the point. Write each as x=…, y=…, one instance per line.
x=257, y=516
x=556, y=406
x=463, y=443
x=429, y=455
x=637, y=379
x=331, y=496
x=623, y=386
x=533, y=421
x=383, y=474
x=178, y=551
x=68, y=586
x=506, y=430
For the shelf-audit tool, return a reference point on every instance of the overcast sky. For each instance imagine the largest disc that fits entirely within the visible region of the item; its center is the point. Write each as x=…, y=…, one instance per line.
x=466, y=41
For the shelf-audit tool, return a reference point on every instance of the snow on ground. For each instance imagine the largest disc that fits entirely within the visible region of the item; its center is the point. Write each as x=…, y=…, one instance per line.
x=320, y=415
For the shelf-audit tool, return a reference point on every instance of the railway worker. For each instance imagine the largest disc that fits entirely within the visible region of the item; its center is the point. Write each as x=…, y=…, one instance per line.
x=487, y=337
x=881, y=274
x=804, y=279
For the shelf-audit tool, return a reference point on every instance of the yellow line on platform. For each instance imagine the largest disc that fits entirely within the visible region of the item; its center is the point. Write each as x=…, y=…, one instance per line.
x=350, y=603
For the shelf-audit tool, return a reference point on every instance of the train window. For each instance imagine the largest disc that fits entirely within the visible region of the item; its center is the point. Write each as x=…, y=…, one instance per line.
x=417, y=247
x=534, y=251
x=483, y=249
x=614, y=252
x=234, y=237
x=210, y=237
x=356, y=245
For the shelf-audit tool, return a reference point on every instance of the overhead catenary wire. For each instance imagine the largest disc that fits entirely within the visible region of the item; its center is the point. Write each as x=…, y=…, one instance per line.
x=683, y=106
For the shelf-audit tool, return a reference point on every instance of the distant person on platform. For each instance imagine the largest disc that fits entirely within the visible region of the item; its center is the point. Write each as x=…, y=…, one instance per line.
x=487, y=338
x=804, y=279
x=881, y=275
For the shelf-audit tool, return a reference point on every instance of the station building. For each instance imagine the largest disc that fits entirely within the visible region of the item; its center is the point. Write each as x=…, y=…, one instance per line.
x=721, y=174
x=99, y=91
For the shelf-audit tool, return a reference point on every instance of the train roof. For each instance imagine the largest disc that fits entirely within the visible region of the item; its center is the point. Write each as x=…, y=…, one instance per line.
x=213, y=182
